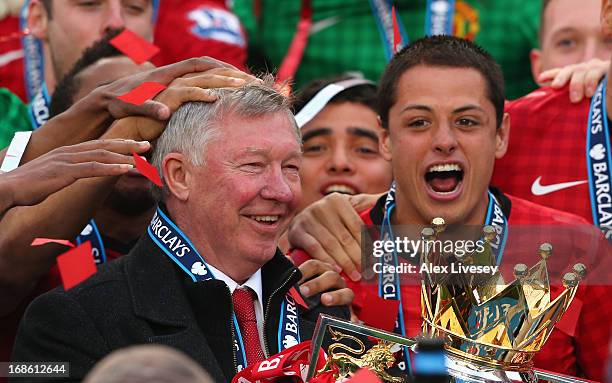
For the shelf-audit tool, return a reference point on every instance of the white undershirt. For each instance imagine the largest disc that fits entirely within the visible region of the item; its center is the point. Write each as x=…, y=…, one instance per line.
x=254, y=283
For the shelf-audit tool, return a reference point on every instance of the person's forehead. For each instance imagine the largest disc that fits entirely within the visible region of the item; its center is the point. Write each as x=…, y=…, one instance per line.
x=435, y=84
x=571, y=14
x=268, y=131
x=60, y=4
x=107, y=70
x=339, y=116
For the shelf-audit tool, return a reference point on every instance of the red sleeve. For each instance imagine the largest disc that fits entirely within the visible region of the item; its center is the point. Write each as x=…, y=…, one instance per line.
x=298, y=256
x=593, y=332
x=11, y=57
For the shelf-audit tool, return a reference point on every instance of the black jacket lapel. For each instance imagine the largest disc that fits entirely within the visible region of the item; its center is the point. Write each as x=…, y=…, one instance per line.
x=166, y=307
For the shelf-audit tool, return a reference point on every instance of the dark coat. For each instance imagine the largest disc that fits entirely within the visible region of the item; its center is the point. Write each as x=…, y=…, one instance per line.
x=145, y=298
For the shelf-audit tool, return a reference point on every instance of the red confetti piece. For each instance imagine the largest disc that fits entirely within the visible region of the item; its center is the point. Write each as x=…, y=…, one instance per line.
x=142, y=93
x=76, y=265
x=397, y=36
x=297, y=297
x=44, y=241
x=380, y=313
x=134, y=46
x=364, y=375
x=147, y=170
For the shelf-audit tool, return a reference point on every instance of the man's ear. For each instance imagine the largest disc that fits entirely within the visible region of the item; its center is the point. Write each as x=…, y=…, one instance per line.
x=176, y=173
x=384, y=143
x=502, y=137
x=606, y=17
x=38, y=19
x=536, y=64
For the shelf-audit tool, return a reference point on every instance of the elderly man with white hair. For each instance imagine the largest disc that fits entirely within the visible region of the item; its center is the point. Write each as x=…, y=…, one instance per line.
x=207, y=278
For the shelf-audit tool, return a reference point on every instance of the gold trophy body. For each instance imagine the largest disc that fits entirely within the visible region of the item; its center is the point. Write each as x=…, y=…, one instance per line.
x=492, y=330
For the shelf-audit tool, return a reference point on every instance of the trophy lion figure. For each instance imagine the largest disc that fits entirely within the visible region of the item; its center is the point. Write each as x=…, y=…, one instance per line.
x=378, y=358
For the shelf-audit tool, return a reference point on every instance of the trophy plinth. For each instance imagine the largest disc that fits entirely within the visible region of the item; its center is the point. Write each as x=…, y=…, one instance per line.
x=462, y=370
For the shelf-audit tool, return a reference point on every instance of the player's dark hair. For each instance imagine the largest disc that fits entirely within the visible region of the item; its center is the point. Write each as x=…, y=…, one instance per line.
x=63, y=96
x=441, y=51
x=48, y=7
x=545, y=4
x=360, y=94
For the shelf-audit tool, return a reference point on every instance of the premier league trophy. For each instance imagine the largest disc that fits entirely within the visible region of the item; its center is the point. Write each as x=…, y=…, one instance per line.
x=491, y=330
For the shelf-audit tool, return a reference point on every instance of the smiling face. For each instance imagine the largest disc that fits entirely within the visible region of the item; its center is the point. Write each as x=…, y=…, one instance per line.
x=242, y=198
x=341, y=153
x=443, y=141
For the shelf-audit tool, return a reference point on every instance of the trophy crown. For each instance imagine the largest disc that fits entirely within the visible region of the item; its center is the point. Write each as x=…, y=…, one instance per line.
x=487, y=321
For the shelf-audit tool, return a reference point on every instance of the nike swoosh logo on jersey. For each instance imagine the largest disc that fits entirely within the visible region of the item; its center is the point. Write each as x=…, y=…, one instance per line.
x=538, y=189
x=6, y=58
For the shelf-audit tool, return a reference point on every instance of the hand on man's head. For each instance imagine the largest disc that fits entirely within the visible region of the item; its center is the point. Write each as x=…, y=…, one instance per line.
x=192, y=86
x=104, y=98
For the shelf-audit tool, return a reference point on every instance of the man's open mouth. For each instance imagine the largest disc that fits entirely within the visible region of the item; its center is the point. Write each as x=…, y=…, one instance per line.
x=265, y=219
x=339, y=188
x=444, y=178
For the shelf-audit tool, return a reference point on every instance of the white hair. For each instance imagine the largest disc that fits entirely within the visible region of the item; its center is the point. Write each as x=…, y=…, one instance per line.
x=196, y=124
x=10, y=8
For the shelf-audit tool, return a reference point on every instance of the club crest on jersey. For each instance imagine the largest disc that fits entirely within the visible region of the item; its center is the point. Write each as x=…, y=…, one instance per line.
x=466, y=21
x=216, y=24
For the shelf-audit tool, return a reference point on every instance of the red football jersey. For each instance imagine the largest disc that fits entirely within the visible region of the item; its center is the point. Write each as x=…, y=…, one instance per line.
x=11, y=57
x=578, y=345
x=546, y=158
x=194, y=28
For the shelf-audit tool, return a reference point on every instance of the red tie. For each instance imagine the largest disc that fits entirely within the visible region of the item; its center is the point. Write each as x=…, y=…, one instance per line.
x=244, y=307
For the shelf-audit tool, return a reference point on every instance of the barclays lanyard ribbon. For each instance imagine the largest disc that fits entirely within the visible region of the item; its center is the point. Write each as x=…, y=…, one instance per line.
x=599, y=161
x=173, y=242
x=389, y=283
x=34, y=72
x=438, y=21
x=384, y=21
